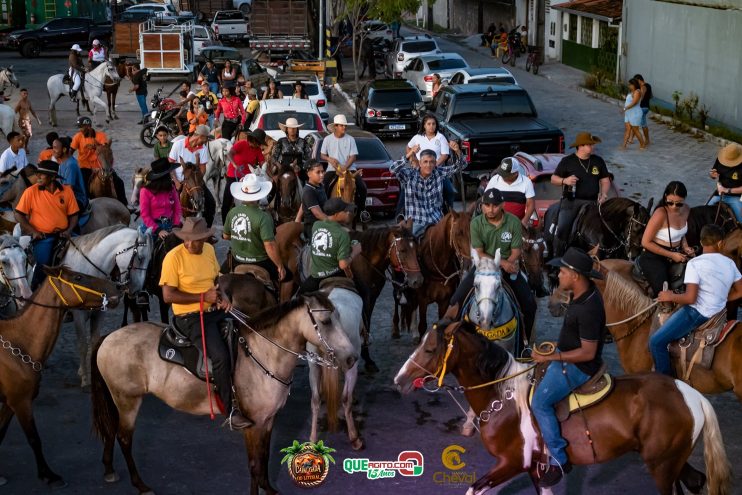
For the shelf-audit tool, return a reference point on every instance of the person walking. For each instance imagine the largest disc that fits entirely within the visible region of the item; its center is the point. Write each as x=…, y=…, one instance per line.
x=25, y=111
x=633, y=114
x=647, y=95
x=209, y=101
x=251, y=105
x=234, y=113
x=139, y=88
x=727, y=172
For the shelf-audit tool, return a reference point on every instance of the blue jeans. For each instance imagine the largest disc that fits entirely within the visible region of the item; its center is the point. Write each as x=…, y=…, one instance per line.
x=214, y=87
x=43, y=253
x=643, y=122
x=449, y=193
x=142, y=100
x=678, y=325
x=733, y=200
x=418, y=229
x=560, y=379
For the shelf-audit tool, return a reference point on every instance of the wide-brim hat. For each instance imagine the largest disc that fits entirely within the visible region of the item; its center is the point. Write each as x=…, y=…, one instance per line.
x=160, y=168
x=730, y=155
x=194, y=229
x=258, y=135
x=339, y=119
x=251, y=188
x=47, y=167
x=578, y=260
x=291, y=123
x=584, y=138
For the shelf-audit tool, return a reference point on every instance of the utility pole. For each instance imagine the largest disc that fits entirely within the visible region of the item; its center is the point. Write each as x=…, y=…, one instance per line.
x=321, y=43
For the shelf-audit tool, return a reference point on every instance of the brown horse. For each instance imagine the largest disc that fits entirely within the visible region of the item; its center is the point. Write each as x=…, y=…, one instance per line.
x=28, y=339
x=626, y=302
x=532, y=256
x=100, y=184
x=192, y=193
x=652, y=414
x=345, y=186
x=111, y=88
x=287, y=201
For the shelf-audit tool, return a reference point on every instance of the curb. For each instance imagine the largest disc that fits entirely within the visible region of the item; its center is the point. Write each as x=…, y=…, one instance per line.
x=346, y=96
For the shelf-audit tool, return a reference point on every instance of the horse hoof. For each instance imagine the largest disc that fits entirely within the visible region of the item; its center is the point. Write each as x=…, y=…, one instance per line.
x=116, y=117
x=467, y=431
x=358, y=444
x=111, y=477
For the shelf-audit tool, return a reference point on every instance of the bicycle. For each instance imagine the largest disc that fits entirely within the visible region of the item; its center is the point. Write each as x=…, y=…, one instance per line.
x=510, y=55
x=533, y=60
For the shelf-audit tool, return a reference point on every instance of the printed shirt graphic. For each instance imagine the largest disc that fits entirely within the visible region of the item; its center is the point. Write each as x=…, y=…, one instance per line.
x=249, y=227
x=330, y=244
x=506, y=237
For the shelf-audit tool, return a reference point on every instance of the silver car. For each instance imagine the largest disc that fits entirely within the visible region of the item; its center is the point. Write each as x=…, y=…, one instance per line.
x=406, y=49
x=483, y=75
x=419, y=71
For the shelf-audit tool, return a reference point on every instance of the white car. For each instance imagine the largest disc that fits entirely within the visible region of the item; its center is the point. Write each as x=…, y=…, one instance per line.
x=483, y=75
x=203, y=37
x=312, y=86
x=378, y=29
x=407, y=48
x=420, y=70
x=272, y=112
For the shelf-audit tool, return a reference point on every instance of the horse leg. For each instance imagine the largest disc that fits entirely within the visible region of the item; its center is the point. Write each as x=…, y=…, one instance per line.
x=467, y=429
x=422, y=310
x=6, y=414
x=25, y=418
x=53, y=110
x=665, y=473
x=81, y=320
x=257, y=441
x=351, y=377
x=128, y=409
x=114, y=92
x=505, y=470
x=395, y=318
x=316, y=399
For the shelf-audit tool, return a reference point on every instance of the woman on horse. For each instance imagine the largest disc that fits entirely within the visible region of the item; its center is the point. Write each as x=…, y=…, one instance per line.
x=245, y=157
x=727, y=171
x=664, y=243
x=159, y=202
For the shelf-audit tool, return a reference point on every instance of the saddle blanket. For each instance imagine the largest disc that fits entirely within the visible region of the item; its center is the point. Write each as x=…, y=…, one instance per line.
x=591, y=393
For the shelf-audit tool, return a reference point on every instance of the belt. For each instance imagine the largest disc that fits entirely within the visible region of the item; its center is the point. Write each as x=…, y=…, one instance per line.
x=196, y=313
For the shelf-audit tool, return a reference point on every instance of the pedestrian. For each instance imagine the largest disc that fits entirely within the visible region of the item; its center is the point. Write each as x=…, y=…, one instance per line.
x=367, y=53
x=245, y=158
x=337, y=56
x=396, y=26
x=516, y=188
x=234, y=113
x=646, y=89
x=251, y=105
x=211, y=76
x=272, y=92
x=340, y=152
x=97, y=55
x=489, y=35
x=436, y=85
x=25, y=111
x=186, y=97
x=163, y=145
x=499, y=48
x=193, y=149
x=227, y=75
x=14, y=158
x=727, y=171
x=159, y=202
x=139, y=88
x=48, y=153
x=196, y=116
x=633, y=114
x=209, y=101
x=69, y=171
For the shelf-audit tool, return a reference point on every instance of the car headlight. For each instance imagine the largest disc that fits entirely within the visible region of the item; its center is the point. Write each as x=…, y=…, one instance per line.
x=414, y=113
x=153, y=114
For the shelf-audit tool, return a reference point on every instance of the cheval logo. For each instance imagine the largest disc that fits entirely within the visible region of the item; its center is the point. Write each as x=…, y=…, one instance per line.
x=308, y=463
x=451, y=460
x=408, y=463
x=506, y=237
x=451, y=457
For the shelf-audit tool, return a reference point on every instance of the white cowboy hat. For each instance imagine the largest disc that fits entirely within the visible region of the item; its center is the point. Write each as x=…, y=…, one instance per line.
x=251, y=188
x=290, y=123
x=339, y=119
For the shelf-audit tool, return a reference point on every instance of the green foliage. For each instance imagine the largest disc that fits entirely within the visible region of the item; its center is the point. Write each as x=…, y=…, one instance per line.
x=296, y=448
x=391, y=10
x=703, y=115
x=676, y=98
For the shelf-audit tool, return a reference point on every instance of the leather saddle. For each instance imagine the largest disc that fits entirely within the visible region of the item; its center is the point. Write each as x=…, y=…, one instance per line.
x=330, y=283
x=175, y=347
x=698, y=347
x=674, y=282
x=590, y=393
x=258, y=272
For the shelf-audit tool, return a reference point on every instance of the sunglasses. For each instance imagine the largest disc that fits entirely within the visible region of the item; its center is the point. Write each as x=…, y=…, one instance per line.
x=679, y=204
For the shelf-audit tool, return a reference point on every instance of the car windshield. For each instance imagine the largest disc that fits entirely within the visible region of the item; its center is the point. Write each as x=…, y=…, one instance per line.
x=229, y=16
x=419, y=46
x=492, y=79
x=394, y=97
x=271, y=120
x=371, y=150
x=509, y=104
x=446, y=63
x=288, y=89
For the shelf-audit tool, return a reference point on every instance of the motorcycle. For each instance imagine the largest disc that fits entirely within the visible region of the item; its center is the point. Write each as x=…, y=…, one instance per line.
x=164, y=113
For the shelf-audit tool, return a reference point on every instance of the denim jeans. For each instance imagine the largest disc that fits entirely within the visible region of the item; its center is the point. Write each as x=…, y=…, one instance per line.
x=449, y=192
x=214, y=87
x=733, y=200
x=680, y=324
x=560, y=379
x=418, y=229
x=43, y=253
x=142, y=100
x=643, y=122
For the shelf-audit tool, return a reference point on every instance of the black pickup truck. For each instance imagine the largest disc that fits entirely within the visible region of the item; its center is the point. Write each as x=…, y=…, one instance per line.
x=58, y=34
x=493, y=121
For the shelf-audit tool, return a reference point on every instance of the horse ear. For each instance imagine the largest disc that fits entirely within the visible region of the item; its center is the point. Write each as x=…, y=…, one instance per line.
x=475, y=257
x=17, y=232
x=498, y=257
x=25, y=241
x=650, y=204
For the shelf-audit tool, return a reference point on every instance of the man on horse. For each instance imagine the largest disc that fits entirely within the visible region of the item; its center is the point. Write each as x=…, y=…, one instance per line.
x=193, y=149
x=576, y=358
x=711, y=280
x=584, y=179
x=188, y=274
x=727, y=172
x=423, y=185
x=76, y=71
x=47, y=211
x=292, y=150
x=516, y=188
x=96, y=55
x=249, y=230
x=69, y=171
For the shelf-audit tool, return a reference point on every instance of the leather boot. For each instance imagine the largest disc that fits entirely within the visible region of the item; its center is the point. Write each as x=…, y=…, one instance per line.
x=237, y=421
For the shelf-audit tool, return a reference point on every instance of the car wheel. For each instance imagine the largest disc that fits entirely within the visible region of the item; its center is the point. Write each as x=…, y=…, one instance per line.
x=30, y=49
x=245, y=8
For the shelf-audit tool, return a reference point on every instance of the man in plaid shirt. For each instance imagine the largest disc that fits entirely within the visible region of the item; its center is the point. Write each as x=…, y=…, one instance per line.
x=423, y=186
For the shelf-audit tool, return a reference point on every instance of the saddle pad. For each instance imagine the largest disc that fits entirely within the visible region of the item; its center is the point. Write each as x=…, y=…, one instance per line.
x=256, y=271
x=305, y=263
x=330, y=283
x=575, y=401
x=176, y=348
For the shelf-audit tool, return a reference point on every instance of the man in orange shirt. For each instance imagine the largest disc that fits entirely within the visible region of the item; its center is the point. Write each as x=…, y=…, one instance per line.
x=47, y=211
x=48, y=153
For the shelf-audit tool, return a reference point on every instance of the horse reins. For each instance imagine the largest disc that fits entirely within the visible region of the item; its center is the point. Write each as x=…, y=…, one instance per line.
x=129, y=268
x=188, y=191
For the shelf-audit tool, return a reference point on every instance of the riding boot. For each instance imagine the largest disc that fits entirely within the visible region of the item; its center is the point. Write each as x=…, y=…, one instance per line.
x=73, y=95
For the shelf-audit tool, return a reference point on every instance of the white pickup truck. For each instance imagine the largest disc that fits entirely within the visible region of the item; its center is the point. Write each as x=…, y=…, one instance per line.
x=230, y=25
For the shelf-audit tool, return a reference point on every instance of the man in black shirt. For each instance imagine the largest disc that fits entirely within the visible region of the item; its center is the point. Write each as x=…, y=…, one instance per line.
x=576, y=359
x=727, y=171
x=584, y=179
x=313, y=198
x=646, y=90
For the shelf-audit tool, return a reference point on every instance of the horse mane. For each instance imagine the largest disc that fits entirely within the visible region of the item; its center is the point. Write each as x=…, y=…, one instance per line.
x=624, y=294
x=373, y=237
x=88, y=241
x=492, y=360
x=268, y=317
x=616, y=206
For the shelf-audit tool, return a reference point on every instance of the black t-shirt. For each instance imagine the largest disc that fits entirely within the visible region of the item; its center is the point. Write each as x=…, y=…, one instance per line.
x=140, y=79
x=728, y=176
x=585, y=320
x=312, y=196
x=589, y=172
x=647, y=96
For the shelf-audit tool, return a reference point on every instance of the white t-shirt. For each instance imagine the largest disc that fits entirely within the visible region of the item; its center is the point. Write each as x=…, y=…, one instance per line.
x=339, y=149
x=189, y=156
x=521, y=185
x=10, y=160
x=437, y=144
x=714, y=274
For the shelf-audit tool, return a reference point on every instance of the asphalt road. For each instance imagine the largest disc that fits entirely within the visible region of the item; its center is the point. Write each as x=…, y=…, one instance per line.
x=178, y=453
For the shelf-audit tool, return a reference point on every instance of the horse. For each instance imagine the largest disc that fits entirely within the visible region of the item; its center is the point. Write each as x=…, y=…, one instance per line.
x=111, y=87
x=117, y=252
x=14, y=286
x=287, y=200
x=192, y=192
x=8, y=79
x=218, y=153
x=532, y=256
x=28, y=340
x=7, y=114
x=126, y=367
x=657, y=416
x=101, y=180
x=137, y=182
x=720, y=214
x=93, y=89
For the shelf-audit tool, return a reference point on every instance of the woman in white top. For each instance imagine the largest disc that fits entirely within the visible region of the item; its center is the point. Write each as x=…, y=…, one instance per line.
x=664, y=240
x=228, y=73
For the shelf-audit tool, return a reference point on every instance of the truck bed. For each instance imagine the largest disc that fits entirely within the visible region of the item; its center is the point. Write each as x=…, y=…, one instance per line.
x=279, y=18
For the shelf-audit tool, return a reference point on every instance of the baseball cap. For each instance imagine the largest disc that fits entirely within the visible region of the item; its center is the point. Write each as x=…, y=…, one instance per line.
x=507, y=166
x=492, y=196
x=336, y=205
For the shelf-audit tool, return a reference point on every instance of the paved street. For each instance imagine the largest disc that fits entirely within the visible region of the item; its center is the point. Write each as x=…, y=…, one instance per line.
x=180, y=454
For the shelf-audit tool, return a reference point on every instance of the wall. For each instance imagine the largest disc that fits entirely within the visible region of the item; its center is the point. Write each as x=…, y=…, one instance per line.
x=687, y=48
x=462, y=15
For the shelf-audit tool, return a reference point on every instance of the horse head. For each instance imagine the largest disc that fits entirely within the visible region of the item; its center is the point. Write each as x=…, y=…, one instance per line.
x=105, y=158
x=77, y=290
x=133, y=265
x=137, y=182
x=109, y=70
x=13, y=266
x=320, y=326
x=25, y=178
x=402, y=253
x=638, y=216
x=8, y=77
x=192, y=197
x=534, y=246
x=288, y=185
x=459, y=237
x=345, y=187
x=426, y=361
x=487, y=286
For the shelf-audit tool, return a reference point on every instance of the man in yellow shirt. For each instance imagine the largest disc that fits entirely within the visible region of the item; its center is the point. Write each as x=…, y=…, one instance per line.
x=251, y=104
x=187, y=280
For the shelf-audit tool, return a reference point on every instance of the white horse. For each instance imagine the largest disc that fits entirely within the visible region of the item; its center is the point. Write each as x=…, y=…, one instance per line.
x=94, y=87
x=14, y=280
x=7, y=115
x=216, y=167
x=349, y=307
x=115, y=249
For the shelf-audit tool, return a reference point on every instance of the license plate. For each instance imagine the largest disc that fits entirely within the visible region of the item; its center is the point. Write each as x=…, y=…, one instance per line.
x=397, y=127
x=369, y=201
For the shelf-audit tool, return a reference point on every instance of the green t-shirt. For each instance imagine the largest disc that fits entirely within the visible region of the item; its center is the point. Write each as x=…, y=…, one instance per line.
x=249, y=227
x=330, y=244
x=162, y=151
x=508, y=236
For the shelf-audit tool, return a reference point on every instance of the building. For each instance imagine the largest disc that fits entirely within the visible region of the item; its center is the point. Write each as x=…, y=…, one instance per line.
x=468, y=16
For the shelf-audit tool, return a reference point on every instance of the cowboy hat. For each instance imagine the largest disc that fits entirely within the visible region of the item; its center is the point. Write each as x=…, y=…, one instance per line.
x=258, y=135
x=251, y=188
x=76, y=47
x=584, y=138
x=194, y=229
x=96, y=43
x=730, y=155
x=48, y=167
x=578, y=260
x=291, y=123
x=160, y=168
x=339, y=120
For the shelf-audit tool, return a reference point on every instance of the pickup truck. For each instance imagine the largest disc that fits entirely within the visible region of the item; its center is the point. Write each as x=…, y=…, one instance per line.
x=493, y=121
x=59, y=34
x=229, y=25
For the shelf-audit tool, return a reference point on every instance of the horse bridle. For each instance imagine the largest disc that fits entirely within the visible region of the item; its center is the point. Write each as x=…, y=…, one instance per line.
x=399, y=266
x=102, y=85
x=477, y=299
x=460, y=257
x=625, y=244
x=188, y=190
x=123, y=277
x=7, y=280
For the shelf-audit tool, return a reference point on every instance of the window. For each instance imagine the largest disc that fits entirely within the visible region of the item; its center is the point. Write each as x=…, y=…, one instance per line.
x=457, y=79
x=372, y=150
x=552, y=29
x=227, y=15
x=446, y=63
x=287, y=88
x=506, y=104
x=271, y=120
x=390, y=98
x=419, y=46
x=586, y=36
x=492, y=79
x=572, y=33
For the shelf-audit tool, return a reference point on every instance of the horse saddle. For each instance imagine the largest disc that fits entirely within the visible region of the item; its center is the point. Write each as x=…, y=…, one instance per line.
x=260, y=273
x=676, y=276
x=698, y=347
x=505, y=323
x=175, y=347
x=590, y=393
x=330, y=283
x=304, y=263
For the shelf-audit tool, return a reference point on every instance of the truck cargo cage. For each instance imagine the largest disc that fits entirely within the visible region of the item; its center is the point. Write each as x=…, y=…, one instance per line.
x=167, y=50
x=280, y=26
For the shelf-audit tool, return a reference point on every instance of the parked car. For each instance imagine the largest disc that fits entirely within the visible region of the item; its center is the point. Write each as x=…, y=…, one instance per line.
x=244, y=6
x=374, y=160
x=252, y=70
x=272, y=112
x=312, y=86
x=59, y=34
x=420, y=71
x=377, y=29
x=203, y=37
x=230, y=25
x=483, y=75
x=389, y=107
x=163, y=12
x=406, y=48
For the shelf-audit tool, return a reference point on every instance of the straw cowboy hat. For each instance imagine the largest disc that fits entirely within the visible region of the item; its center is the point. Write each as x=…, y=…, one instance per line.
x=291, y=123
x=584, y=138
x=730, y=155
x=194, y=229
x=160, y=168
x=251, y=188
x=340, y=120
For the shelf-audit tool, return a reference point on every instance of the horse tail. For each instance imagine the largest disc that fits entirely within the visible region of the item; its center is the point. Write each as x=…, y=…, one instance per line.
x=715, y=456
x=105, y=412
x=330, y=379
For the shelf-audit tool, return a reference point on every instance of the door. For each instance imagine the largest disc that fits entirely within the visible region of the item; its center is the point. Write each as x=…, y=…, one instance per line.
x=54, y=34
x=257, y=74
x=79, y=31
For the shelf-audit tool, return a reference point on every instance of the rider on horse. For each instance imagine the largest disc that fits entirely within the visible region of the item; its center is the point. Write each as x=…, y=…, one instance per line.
x=96, y=55
x=292, y=150
x=313, y=198
x=47, y=211
x=159, y=203
x=69, y=170
x=727, y=171
x=76, y=70
x=711, y=280
x=188, y=274
x=516, y=188
x=575, y=360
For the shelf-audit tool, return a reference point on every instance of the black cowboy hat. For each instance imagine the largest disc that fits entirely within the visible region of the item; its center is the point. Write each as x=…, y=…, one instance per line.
x=258, y=135
x=578, y=260
x=160, y=168
x=48, y=167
